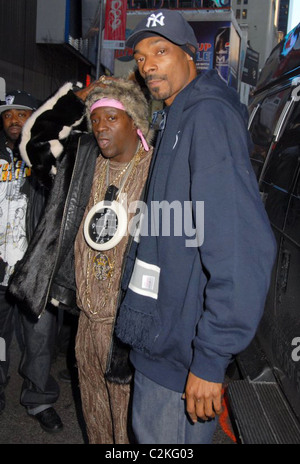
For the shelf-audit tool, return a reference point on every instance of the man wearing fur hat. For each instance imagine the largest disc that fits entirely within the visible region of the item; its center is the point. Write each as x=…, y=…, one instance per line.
x=78, y=249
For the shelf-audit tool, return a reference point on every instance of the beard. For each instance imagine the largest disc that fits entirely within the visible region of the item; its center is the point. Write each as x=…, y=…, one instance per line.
x=156, y=92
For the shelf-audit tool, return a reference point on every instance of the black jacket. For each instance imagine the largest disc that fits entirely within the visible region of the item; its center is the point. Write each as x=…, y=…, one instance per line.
x=46, y=272
x=48, y=264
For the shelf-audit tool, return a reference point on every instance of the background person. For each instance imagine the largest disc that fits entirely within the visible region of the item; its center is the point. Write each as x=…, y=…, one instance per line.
x=21, y=203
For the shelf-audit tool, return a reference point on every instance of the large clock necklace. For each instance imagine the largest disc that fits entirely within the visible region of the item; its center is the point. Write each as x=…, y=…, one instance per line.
x=105, y=225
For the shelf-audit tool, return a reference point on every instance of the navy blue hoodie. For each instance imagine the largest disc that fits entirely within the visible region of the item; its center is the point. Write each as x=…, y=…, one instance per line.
x=192, y=308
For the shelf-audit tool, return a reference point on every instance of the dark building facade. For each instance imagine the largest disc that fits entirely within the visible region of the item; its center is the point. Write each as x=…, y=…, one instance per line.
x=36, y=68
x=43, y=42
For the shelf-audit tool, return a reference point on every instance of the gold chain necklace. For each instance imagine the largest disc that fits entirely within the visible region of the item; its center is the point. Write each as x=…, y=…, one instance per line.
x=88, y=268
x=120, y=174
x=102, y=267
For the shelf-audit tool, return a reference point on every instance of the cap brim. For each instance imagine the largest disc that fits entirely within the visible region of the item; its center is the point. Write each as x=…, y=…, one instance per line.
x=14, y=107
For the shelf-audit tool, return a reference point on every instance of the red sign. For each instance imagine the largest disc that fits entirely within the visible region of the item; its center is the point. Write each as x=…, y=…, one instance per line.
x=115, y=24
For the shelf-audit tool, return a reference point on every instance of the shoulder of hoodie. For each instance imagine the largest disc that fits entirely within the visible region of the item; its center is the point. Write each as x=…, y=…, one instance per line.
x=208, y=87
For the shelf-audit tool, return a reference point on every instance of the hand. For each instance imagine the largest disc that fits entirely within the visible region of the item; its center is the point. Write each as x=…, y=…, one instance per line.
x=203, y=398
x=83, y=93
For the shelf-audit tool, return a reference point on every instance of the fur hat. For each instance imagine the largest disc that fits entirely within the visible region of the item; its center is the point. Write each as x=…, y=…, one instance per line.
x=130, y=95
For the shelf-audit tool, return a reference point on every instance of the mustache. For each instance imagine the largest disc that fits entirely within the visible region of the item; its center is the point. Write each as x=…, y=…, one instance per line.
x=102, y=135
x=155, y=77
x=15, y=124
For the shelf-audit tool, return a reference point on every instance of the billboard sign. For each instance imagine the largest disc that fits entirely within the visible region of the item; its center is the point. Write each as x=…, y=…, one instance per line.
x=115, y=24
x=219, y=46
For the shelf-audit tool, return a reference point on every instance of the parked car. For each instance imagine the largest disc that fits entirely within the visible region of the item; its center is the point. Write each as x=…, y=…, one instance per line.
x=265, y=403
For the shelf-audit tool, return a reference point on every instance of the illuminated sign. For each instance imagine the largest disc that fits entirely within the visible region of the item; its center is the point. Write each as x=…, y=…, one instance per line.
x=157, y=4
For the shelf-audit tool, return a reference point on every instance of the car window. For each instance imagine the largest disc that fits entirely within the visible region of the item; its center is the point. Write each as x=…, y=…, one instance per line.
x=263, y=126
x=278, y=182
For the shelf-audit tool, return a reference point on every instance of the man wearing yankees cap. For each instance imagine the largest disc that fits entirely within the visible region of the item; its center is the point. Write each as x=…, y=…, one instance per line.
x=193, y=301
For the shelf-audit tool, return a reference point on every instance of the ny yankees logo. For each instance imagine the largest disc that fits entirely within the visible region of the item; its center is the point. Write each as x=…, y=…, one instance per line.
x=154, y=19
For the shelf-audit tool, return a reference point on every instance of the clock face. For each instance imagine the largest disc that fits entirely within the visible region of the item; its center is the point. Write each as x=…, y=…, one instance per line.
x=105, y=225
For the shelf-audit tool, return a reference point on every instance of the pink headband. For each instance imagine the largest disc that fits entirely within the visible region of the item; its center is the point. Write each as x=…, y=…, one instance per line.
x=111, y=102
x=108, y=102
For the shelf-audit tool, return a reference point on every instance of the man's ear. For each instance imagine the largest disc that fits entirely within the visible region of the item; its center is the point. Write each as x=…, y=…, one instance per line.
x=192, y=55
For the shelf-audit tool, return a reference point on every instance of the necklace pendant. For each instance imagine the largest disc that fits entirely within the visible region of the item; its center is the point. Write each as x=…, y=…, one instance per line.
x=102, y=267
x=105, y=225
x=111, y=193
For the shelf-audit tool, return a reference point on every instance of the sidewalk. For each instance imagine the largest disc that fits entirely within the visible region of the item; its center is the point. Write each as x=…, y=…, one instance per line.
x=16, y=427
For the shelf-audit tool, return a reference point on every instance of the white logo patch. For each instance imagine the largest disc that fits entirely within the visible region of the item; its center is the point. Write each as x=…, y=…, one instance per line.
x=9, y=99
x=155, y=19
